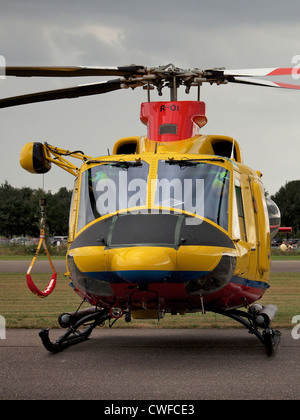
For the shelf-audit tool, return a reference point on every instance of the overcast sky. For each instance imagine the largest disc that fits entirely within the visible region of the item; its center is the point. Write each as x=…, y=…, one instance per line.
x=191, y=33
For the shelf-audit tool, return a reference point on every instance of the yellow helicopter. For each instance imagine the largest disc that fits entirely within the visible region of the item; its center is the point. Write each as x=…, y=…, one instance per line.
x=170, y=222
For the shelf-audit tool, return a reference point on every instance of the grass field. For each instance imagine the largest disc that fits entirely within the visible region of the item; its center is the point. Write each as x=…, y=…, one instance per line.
x=22, y=309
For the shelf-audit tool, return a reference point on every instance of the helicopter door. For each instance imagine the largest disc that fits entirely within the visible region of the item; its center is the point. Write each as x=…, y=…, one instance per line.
x=73, y=211
x=244, y=230
x=262, y=227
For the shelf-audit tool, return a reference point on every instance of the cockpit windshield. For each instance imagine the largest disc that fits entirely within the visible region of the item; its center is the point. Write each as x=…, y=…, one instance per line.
x=197, y=187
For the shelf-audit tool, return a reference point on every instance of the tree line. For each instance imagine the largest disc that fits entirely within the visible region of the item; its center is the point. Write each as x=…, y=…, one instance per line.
x=287, y=199
x=20, y=211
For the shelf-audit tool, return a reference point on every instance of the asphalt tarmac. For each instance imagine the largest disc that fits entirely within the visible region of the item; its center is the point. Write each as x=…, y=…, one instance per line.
x=121, y=366
x=150, y=364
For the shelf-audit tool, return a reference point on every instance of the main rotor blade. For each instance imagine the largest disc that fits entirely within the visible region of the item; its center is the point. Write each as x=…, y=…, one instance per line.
x=258, y=82
x=71, y=71
x=262, y=72
x=72, y=92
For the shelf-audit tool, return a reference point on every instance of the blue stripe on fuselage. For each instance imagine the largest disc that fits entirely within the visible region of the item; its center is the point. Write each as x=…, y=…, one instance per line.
x=147, y=276
x=161, y=276
x=250, y=283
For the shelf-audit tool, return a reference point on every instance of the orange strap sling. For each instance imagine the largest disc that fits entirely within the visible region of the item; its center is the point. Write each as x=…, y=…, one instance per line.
x=52, y=283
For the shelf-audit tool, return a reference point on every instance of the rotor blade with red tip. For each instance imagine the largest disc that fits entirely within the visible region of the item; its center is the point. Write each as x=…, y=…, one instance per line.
x=72, y=92
x=258, y=82
x=21, y=71
x=262, y=72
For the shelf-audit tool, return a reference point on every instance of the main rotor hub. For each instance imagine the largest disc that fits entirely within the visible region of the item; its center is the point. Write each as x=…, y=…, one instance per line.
x=173, y=77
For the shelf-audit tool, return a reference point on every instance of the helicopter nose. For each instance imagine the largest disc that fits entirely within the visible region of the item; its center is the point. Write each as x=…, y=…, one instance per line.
x=152, y=248
x=142, y=264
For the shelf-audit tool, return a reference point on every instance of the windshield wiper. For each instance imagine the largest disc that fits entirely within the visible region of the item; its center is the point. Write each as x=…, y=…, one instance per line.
x=127, y=164
x=192, y=162
x=118, y=163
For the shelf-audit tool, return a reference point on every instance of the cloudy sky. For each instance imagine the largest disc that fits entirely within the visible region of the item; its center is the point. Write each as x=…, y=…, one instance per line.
x=191, y=33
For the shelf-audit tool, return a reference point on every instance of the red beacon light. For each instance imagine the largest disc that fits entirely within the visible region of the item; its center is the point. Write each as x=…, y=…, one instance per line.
x=285, y=230
x=173, y=121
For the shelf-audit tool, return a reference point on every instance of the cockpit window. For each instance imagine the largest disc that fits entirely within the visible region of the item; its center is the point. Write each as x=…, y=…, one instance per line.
x=107, y=188
x=197, y=187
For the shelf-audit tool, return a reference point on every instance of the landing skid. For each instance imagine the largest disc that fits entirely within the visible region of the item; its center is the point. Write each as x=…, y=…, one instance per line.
x=269, y=338
x=73, y=335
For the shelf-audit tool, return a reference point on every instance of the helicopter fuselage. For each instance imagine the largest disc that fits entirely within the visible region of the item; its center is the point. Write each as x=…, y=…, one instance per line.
x=167, y=230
